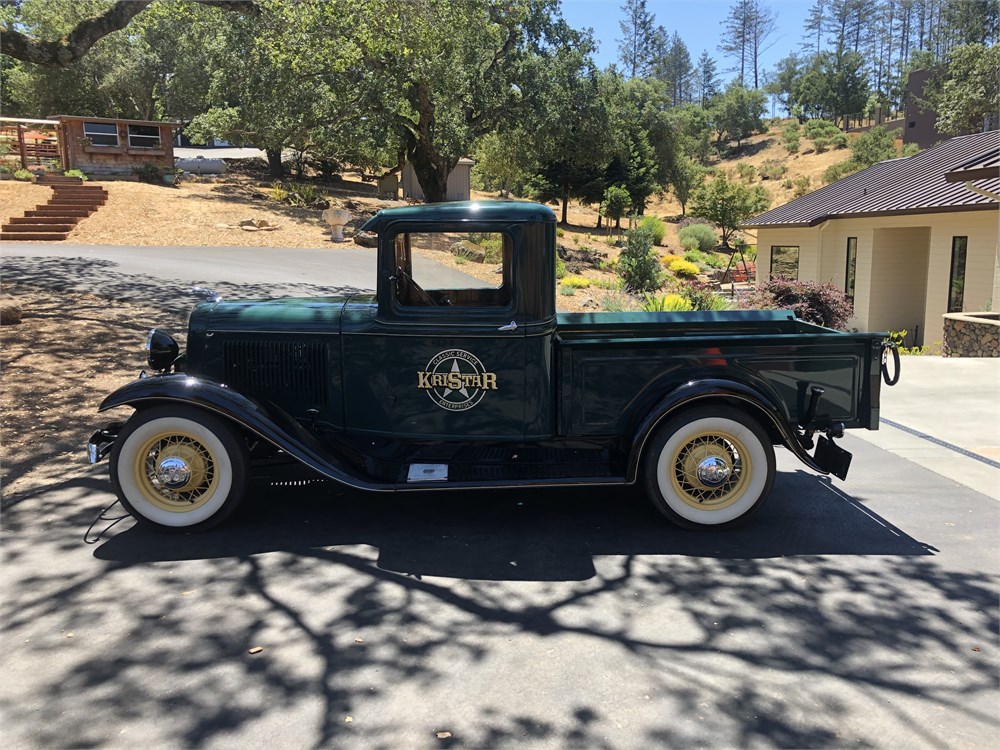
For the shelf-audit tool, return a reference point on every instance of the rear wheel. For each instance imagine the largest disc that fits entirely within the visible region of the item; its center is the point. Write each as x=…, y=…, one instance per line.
x=179, y=468
x=709, y=468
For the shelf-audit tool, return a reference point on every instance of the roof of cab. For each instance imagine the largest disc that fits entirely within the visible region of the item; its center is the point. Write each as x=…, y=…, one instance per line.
x=462, y=211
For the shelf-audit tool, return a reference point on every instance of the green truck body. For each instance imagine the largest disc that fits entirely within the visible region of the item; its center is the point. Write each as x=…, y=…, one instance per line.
x=417, y=388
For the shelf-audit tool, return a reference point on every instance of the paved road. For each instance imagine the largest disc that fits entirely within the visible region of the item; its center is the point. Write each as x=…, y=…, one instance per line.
x=856, y=614
x=164, y=275
x=848, y=614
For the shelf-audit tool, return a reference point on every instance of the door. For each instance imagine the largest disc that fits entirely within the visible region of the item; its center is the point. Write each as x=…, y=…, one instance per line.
x=445, y=356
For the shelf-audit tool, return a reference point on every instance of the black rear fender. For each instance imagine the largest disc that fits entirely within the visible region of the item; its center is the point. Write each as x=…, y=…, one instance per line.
x=748, y=399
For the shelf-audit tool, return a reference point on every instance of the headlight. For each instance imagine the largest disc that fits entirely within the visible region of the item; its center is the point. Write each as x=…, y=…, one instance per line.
x=162, y=350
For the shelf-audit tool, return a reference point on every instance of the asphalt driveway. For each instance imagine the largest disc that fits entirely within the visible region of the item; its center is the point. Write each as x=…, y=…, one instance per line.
x=862, y=613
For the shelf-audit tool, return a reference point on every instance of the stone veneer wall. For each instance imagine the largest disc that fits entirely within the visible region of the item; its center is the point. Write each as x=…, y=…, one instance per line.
x=971, y=335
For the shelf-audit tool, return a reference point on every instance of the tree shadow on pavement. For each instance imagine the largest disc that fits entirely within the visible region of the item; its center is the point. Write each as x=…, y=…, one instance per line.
x=550, y=619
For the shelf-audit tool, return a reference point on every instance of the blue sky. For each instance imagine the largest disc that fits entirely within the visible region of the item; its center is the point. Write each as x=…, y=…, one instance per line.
x=700, y=25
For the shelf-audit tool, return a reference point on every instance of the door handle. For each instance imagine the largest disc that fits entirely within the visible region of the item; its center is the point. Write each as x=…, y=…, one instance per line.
x=512, y=326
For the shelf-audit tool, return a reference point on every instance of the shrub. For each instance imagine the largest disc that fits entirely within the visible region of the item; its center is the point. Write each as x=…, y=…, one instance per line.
x=638, y=265
x=823, y=304
x=617, y=301
x=712, y=260
x=790, y=137
x=838, y=171
x=802, y=185
x=76, y=173
x=560, y=232
x=684, y=268
x=567, y=291
x=656, y=226
x=278, y=193
x=788, y=184
x=875, y=145
x=616, y=203
x=147, y=172
x=24, y=175
x=772, y=169
x=666, y=303
x=820, y=129
x=821, y=143
x=746, y=171
x=690, y=221
x=839, y=140
x=702, y=296
x=695, y=256
x=577, y=282
x=560, y=268
x=698, y=237
x=669, y=258
x=911, y=149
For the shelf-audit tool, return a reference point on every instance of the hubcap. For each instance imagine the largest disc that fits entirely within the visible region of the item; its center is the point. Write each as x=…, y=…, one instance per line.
x=710, y=471
x=176, y=472
x=173, y=473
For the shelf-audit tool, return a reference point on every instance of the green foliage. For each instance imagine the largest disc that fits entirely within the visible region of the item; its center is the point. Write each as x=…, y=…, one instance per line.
x=566, y=290
x=76, y=173
x=616, y=203
x=695, y=256
x=703, y=297
x=911, y=149
x=503, y=162
x=873, y=146
x=839, y=140
x=560, y=268
x=560, y=232
x=802, y=185
x=278, y=193
x=899, y=338
x=729, y=204
x=738, y=113
x=772, y=169
x=788, y=184
x=698, y=236
x=656, y=226
x=638, y=265
x=746, y=172
x=790, y=137
x=685, y=176
x=147, y=172
x=833, y=84
x=684, y=268
x=967, y=91
x=618, y=300
x=838, y=171
x=820, y=129
x=665, y=303
x=24, y=175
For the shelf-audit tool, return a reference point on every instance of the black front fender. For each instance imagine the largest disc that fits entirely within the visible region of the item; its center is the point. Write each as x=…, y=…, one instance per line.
x=693, y=392
x=264, y=420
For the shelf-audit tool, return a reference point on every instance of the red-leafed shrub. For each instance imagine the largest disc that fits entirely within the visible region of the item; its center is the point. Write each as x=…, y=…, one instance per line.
x=823, y=304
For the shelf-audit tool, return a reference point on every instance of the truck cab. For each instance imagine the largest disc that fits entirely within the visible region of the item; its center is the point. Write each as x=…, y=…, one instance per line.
x=446, y=380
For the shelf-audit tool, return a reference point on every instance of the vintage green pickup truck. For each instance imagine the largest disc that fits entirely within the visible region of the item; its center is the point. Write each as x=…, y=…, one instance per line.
x=419, y=387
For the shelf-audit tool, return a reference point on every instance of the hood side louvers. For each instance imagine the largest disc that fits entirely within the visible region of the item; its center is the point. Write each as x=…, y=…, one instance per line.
x=278, y=370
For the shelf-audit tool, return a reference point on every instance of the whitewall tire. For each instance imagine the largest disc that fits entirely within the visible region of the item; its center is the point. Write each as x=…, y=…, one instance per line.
x=179, y=468
x=709, y=468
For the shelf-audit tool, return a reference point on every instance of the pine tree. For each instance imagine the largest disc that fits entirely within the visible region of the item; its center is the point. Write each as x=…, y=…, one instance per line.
x=760, y=26
x=674, y=69
x=735, y=40
x=814, y=27
x=706, y=79
x=640, y=39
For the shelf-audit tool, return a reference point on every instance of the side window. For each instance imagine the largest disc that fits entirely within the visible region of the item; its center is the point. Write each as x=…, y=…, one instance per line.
x=785, y=261
x=101, y=133
x=473, y=269
x=956, y=284
x=850, y=275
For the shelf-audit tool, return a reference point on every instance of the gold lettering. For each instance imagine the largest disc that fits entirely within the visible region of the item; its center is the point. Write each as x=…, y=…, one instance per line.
x=423, y=380
x=455, y=381
x=489, y=381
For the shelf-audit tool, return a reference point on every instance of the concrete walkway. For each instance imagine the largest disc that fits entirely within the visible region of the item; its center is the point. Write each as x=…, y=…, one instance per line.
x=944, y=414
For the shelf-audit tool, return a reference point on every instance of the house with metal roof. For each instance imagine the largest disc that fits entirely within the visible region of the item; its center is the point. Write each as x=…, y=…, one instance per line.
x=909, y=240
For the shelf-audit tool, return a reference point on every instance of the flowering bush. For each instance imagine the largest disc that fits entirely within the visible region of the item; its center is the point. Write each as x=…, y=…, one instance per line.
x=684, y=268
x=823, y=304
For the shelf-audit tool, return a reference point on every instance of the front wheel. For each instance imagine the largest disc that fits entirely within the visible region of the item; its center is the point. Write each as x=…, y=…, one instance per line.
x=709, y=468
x=179, y=468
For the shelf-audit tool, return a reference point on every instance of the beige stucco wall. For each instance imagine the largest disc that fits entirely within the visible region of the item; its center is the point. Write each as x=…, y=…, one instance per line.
x=884, y=282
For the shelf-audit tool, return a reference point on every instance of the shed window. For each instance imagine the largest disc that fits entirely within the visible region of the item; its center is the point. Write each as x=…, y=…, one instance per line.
x=143, y=136
x=785, y=261
x=101, y=133
x=487, y=258
x=956, y=284
x=850, y=274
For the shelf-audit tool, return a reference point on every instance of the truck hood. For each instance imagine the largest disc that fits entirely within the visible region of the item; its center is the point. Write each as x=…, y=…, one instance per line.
x=271, y=315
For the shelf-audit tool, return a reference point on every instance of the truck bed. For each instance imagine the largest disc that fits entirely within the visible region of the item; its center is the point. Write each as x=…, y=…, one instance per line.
x=613, y=366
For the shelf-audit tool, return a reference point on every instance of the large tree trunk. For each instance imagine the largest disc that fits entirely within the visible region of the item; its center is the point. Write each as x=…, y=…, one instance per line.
x=274, y=162
x=432, y=171
x=565, y=203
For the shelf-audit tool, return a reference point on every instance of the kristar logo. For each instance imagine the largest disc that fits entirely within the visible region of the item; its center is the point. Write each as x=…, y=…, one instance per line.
x=456, y=380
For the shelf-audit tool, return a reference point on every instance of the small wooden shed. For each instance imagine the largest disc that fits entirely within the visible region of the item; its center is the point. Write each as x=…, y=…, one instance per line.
x=459, y=182
x=104, y=146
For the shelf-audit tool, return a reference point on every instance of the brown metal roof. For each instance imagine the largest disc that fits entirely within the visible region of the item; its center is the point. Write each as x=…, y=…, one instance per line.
x=982, y=167
x=912, y=185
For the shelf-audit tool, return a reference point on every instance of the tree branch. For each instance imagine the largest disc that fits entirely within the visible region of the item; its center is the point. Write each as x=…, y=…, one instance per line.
x=76, y=44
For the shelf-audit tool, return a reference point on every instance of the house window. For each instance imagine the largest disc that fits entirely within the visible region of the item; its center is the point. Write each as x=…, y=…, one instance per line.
x=956, y=284
x=852, y=267
x=143, y=136
x=414, y=281
x=101, y=133
x=785, y=261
